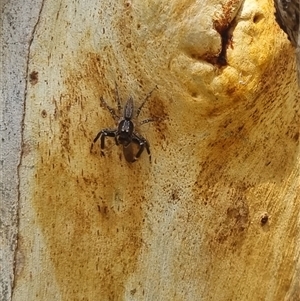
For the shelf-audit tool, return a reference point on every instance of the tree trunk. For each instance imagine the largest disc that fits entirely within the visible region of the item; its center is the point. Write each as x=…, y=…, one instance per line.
x=213, y=216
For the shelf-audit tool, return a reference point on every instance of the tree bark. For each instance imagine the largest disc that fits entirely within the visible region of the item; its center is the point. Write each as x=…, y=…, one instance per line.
x=214, y=216
x=18, y=19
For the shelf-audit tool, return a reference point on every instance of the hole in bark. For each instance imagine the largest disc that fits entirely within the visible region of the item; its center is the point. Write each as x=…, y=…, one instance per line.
x=264, y=218
x=44, y=113
x=225, y=31
x=257, y=17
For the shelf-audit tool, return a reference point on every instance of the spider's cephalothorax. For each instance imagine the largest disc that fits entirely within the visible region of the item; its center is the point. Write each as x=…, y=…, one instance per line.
x=125, y=133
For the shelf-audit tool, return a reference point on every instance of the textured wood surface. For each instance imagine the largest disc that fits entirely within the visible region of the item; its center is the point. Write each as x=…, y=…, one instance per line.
x=215, y=216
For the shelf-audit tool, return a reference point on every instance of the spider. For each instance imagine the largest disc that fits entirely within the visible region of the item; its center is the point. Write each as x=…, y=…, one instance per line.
x=125, y=133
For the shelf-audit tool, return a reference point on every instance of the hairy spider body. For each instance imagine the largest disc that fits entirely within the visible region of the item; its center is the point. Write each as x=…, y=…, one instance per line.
x=125, y=133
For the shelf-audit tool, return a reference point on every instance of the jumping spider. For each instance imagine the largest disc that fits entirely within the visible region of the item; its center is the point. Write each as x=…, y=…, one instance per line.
x=125, y=133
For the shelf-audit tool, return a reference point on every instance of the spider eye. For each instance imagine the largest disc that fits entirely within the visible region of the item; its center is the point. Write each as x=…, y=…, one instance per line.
x=126, y=126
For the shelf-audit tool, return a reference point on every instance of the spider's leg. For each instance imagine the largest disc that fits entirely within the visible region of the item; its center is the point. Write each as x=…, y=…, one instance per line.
x=118, y=99
x=147, y=146
x=143, y=143
x=141, y=106
x=102, y=134
x=110, y=109
x=148, y=120
x=96, y=138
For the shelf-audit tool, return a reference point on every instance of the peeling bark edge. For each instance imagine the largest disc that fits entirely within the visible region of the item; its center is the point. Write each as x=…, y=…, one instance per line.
x=19, y=19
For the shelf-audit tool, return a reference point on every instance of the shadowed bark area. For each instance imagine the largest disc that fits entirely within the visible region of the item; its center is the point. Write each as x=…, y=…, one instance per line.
x=215, y=214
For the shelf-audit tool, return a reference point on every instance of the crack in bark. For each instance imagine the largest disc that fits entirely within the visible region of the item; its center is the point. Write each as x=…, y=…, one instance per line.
x=22, y=143
x=226, y=38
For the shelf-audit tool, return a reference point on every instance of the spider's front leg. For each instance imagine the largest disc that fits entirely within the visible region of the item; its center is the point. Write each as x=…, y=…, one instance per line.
x=110, y=109
x=143, y=143
x=141, y=106
x=149, y=120
x=102, y=134
x=118, y=98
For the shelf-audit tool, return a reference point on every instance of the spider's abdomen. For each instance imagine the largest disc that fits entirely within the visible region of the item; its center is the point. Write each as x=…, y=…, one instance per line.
x=128, y=109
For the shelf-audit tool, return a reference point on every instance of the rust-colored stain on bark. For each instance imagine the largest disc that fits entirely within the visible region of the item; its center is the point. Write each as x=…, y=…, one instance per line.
x=89, y=207
x=34, y=77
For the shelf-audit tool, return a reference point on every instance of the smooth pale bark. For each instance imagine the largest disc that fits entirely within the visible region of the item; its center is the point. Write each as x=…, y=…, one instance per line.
x=215, y=216
x=17, y=22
